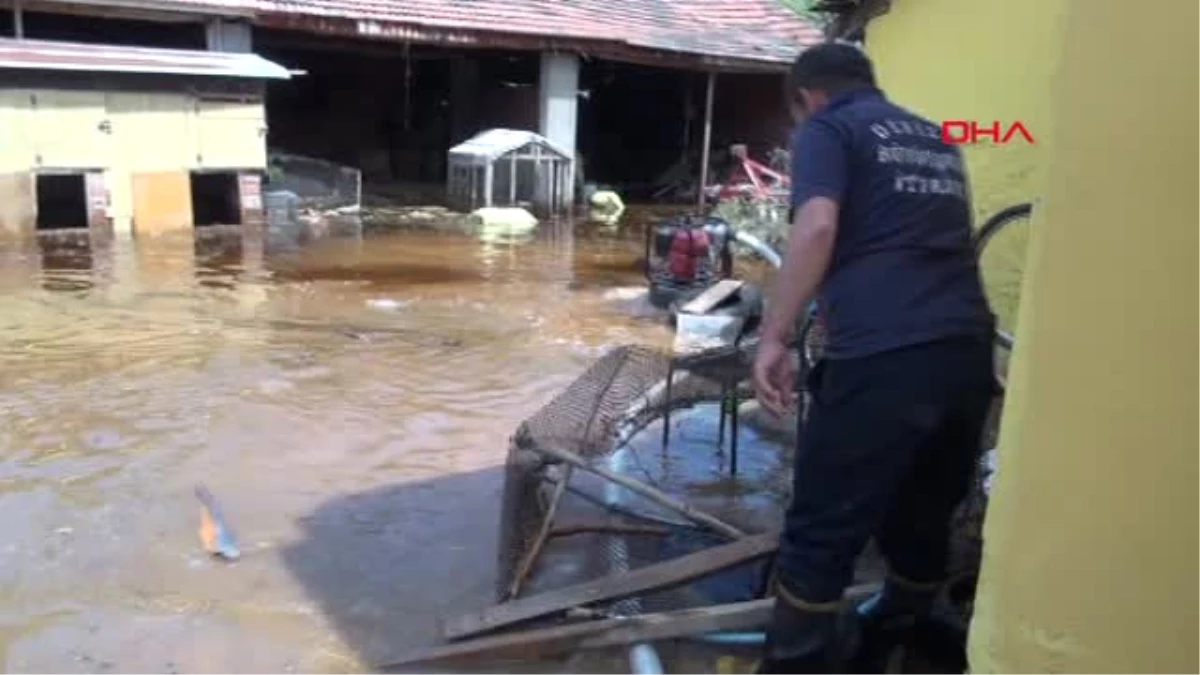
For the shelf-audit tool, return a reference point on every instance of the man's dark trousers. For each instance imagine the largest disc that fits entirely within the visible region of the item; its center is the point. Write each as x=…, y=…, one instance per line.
x=889, y=450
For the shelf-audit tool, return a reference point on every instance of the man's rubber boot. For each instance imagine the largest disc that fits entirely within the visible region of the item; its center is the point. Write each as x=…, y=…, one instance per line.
x=888, y=620
x=804, y=637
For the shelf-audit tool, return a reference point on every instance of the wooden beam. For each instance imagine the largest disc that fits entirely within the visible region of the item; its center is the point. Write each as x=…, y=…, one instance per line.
x=547, y=642
x=656, y=577
x=559, y=640
x=535, y=548
x=608, y=528
x=712, y=296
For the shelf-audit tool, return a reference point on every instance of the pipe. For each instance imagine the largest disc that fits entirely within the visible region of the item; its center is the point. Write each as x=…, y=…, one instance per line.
x=760, y=247
x=643, y=660
x=736, y=638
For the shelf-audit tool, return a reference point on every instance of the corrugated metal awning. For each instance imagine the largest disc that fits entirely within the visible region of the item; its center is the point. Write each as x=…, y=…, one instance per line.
x=87, y=58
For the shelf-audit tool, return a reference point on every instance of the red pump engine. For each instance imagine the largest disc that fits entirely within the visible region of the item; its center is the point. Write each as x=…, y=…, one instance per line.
x=689, y=250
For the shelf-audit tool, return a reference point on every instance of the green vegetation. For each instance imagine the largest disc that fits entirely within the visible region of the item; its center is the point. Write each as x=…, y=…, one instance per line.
x=765, y=219
x=799, y=6
x=805, y=9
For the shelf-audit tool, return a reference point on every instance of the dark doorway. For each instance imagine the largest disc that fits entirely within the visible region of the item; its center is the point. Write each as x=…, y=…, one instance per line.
x=215, y=198
x=106, y=30
x=392, y=110
x=61, y=201
x=635, y=122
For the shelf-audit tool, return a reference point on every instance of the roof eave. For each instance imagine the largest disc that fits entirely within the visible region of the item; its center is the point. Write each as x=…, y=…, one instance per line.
x=186, y=7
x=136, y=70
x=41, y=55
x=394, y=31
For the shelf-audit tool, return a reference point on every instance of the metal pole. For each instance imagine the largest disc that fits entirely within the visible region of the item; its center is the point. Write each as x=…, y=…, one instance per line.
x=18, y=20
x=512, y=180
x=705, y=149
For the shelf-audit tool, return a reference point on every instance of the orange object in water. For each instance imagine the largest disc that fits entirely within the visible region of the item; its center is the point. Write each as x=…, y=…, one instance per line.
x=215, y=534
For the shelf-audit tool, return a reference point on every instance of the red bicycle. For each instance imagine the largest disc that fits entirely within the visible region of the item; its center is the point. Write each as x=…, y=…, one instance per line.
x=753, y=180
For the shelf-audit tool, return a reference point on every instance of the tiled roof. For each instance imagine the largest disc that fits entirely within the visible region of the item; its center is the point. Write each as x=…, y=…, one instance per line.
x=727, y=32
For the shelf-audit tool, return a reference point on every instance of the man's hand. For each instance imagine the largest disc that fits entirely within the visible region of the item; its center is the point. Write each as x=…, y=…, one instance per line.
x=809, y=249
x=774, y=376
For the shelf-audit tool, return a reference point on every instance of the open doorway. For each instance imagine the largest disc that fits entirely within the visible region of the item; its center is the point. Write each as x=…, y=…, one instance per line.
x=61, y=201
x=215, y=199
x=634, y=123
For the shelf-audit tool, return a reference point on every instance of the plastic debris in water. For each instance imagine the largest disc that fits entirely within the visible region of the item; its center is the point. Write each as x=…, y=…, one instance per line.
x=385, y=304
x=215, y=533
x=644, y=660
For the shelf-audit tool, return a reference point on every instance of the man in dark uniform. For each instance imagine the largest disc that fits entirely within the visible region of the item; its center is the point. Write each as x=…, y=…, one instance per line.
x=881, y=237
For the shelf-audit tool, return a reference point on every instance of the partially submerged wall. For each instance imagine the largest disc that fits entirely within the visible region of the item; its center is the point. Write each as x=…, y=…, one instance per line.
x=140, y=135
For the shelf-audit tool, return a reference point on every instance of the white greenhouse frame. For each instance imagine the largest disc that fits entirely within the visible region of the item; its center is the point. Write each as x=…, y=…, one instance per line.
x=509, y=167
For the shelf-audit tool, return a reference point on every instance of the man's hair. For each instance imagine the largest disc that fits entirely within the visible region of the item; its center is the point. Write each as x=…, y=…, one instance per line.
x=831, y=67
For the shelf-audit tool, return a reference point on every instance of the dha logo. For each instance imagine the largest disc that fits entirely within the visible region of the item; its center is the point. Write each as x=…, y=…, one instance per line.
x=963, y=132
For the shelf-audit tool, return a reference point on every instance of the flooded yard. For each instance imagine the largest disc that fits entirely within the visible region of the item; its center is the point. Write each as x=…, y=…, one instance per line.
x=349, y=404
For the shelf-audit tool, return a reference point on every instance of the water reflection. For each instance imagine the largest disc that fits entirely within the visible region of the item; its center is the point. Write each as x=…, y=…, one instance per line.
x=74, y=261
x=134, y=368
x=221, y=255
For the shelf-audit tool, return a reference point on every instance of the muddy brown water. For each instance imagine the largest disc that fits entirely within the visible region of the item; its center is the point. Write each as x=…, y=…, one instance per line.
x=348, y=404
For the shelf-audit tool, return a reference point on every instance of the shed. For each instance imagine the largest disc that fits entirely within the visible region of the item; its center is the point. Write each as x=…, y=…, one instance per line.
x=506, y=167
x=137, y=138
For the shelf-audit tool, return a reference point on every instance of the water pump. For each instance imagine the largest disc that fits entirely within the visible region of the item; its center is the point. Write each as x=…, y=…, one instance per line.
x=684, y=256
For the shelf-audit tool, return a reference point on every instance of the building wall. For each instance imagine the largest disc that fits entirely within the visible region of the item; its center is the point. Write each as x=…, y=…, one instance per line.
x=18, y=210
x=128, y=134
x=1091, y=537
x=142, y=162
x=16, y=113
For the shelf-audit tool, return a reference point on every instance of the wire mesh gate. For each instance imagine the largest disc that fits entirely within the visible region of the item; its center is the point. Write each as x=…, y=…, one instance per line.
x=621, y=394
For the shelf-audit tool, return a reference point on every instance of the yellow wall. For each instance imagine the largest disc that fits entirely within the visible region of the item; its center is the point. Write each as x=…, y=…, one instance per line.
x=230, y=134
x=976, y=60
x=17, y=150
x=1090, y=561
x=980, y=61
x=152, y=133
